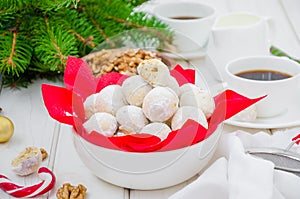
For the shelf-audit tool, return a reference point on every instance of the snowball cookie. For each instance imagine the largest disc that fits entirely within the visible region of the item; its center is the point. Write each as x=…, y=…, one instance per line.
x=104, y=123
x=247, y=115
x=90, y=105
x=160, y=104
x=154, y=71
x=135, y=88
x=27, y=162
x=173, y=84
x=110, y=99
x=158, y=129
x=198, y=97
x=131, y=119
x=188, y=112
x=187, y=88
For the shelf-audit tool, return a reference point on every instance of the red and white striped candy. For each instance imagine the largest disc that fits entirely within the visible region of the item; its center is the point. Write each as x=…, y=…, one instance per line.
x=48, y=182
x=296, y=139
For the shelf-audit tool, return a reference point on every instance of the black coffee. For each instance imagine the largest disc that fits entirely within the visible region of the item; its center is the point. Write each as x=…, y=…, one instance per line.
x=185, y=17
x=263, y=75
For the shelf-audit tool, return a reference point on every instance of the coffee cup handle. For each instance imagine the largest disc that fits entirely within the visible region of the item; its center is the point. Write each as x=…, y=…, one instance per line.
x=270, y=28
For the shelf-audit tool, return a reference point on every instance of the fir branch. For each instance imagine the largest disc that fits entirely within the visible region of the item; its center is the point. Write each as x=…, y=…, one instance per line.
x=52, y=45
x=125, y=22
x=13, y=5
x=99, y=15
x=85, y=41
x=39, y=48
x=98, y=27
x=7, y=19
x=13, y=46
x=15, y=53
x=50, y=5
x=81, y=27
x=135, y=3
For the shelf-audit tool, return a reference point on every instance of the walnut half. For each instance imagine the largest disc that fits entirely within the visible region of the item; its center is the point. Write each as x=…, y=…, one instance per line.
x=67, y=191
x=44, y=153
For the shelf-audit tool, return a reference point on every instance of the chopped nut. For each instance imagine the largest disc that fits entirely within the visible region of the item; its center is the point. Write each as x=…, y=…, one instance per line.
x=119, y=60
x=108, y=68
x=67, y=191
x=44, y=153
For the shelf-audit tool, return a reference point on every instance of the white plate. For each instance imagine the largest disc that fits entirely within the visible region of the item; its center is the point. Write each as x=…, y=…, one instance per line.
x=187, y=55
x=289, y=118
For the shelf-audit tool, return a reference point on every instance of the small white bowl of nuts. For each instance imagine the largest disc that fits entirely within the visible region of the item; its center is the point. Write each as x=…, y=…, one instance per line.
x=122, y=60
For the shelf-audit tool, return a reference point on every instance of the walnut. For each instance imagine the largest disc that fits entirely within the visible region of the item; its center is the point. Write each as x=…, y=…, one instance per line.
x=67, y=191
x=44, y=153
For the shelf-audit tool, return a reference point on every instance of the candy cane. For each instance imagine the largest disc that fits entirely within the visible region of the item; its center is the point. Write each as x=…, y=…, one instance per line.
x=30, y=191
x=296, y=139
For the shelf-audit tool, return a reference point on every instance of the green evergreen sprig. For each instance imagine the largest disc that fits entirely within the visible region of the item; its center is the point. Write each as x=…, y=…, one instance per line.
x=15, y=52
x=36, y=37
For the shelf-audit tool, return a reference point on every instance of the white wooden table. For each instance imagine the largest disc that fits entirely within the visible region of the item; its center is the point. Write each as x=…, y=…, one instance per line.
x=34, y=127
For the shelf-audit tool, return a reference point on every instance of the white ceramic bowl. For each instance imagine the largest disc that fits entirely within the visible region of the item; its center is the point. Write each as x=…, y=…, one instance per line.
x=146, y=171
x=153, y=170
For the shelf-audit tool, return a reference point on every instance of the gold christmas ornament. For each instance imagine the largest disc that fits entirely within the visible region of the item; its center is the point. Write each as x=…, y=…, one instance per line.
x=6, y=129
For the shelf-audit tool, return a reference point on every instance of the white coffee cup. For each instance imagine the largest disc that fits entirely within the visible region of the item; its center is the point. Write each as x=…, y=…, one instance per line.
x=192, y=19
x=279, y=92
x=237, y=35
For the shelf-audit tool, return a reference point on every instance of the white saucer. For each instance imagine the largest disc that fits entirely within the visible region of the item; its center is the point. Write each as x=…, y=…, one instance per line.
x=289, y=118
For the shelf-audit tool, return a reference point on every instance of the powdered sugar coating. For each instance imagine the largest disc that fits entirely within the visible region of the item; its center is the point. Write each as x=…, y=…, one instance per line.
x=90, y=105
x=135, y=88
x=160, y=104
x=158, y=129
x=188, y=112
x=110, y=99
x=197, y=97
x=103, y=123
x=131, y=119
x=173, y=84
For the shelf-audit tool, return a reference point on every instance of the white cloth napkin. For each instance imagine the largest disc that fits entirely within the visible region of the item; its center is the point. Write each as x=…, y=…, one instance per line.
x=237, y=175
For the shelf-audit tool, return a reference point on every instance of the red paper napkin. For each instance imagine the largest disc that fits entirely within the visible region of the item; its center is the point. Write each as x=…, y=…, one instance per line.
x=66, y=106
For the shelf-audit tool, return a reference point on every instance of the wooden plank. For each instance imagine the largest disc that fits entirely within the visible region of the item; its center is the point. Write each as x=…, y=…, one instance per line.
x=33, y=127
x=68, y=167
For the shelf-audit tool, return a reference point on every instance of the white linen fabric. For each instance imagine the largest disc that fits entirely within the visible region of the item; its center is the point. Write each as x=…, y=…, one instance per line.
x=239, y=175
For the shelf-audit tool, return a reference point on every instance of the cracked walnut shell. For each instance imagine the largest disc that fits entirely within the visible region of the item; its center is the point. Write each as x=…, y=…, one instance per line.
x=67, y=191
